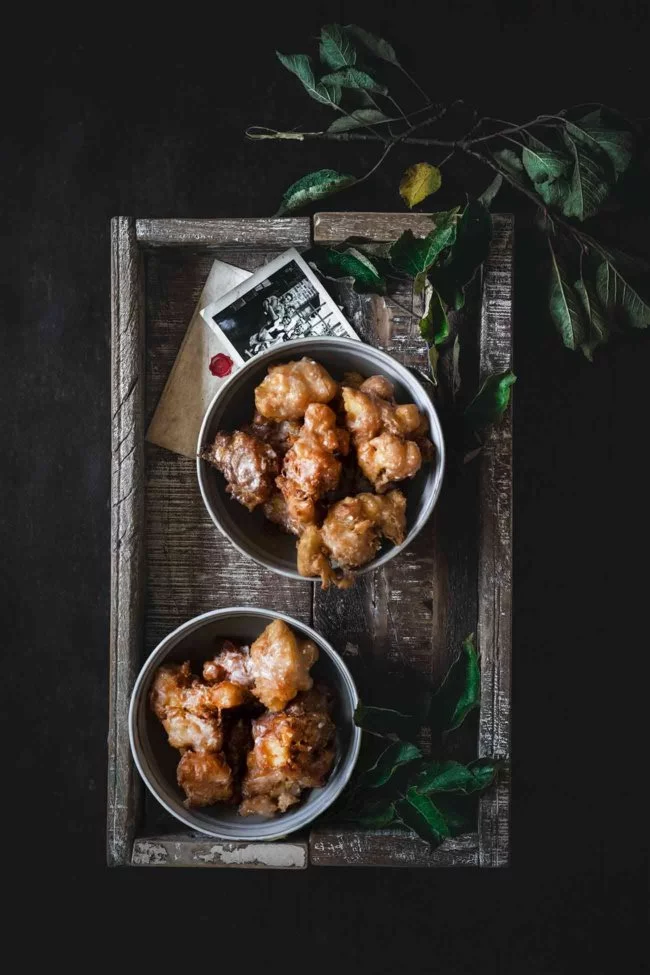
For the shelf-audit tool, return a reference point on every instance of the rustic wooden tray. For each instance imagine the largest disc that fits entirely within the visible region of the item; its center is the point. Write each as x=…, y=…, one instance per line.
x=168, y=563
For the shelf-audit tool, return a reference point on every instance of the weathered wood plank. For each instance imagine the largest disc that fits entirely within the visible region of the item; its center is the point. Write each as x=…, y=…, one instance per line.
x=332, y=228
x=127, y=531
x=335, y=848
x=495, y=550
x=265, y=232
x=194, y=850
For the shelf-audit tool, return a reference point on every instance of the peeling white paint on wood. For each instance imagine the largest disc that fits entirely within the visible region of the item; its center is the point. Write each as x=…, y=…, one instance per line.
x=196, y=851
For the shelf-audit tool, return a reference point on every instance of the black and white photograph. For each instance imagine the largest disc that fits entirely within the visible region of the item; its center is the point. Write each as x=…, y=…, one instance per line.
x=283, y=300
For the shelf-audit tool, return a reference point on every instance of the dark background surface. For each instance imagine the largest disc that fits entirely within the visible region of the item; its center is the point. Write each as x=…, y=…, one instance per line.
x=148, y=121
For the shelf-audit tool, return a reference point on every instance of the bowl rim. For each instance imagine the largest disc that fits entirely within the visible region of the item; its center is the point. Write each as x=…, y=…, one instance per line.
x=407, y=380
x=273, y=829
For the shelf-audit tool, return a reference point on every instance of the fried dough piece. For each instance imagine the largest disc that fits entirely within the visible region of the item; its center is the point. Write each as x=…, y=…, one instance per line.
x=168, y=687
x=185, y=728
x=205, y=777
x=293, y=515
x=188, y=730
x=249, y=465
x=310, y=467
x=367, y=414
x=388, y=458
x=280, y=436
x=205, y=699
x=351, y=535
x=378, y=386
x=289, y=388
x=280, y=665
x=190, y=710
x=293, y=750
x=313, y=560
x=353, y=529
x=232, y=664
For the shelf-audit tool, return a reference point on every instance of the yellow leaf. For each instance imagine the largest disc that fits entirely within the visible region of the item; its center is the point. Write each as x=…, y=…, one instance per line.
x=419, y=182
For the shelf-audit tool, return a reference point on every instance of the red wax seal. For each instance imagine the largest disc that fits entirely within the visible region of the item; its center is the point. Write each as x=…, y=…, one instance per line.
x=220, y=364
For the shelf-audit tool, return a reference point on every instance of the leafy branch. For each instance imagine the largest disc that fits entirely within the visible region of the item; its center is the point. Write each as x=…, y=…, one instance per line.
x=567, y=164
x=396, y=786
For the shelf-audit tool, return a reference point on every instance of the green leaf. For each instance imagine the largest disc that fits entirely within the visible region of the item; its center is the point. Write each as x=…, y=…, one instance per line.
x=598, y=328
x=468, y=252
x=300, y=65
x=489, y=404
x=620, y=300
x=612, y=133
x=591, y=178
x=376, y=815
x=419, y=182
x=358, y=119
x=353, y=78
x=459, y=692
x=376, y=45
x=353, y=263
x=410, y=254
x=453, y=777
x=398, y=754
x=548, y=170
x=336, y=49
x=312, y=187
x=459, y=811
x=566, y=306
x=542, y=163
x=434, y=326
x=419, y=813
x=382, y=721
x=489, y=193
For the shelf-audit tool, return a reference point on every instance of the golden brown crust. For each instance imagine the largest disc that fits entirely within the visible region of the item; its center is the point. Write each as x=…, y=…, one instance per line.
x=294, y=750
x=280, y=663
x=351, y=536
x=205, y=777
x=289, y=388
x=249, y=465
x=388, y=458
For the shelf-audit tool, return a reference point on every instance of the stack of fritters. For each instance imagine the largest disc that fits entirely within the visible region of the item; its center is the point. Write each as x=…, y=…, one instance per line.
x=326, y=473
x=252, y=729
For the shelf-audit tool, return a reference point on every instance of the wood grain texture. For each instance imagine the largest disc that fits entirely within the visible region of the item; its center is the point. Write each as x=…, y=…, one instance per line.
x=495, y=550
x=363, y=848
x=127, y=531
x=398, y=628
x=194, y=850
x=332, y=228
x=264, y=232
x=191, y=567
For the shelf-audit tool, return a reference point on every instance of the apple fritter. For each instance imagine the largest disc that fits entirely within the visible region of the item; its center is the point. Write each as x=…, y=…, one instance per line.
x=278, y=435
x=289, y=388
x=188, y=730
x=312, y=467
x=351, y=536
x=293, y=750
x=280, y=663
x=388, y=458
x=249, y=465
x=231, y=664
x=205, y=777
